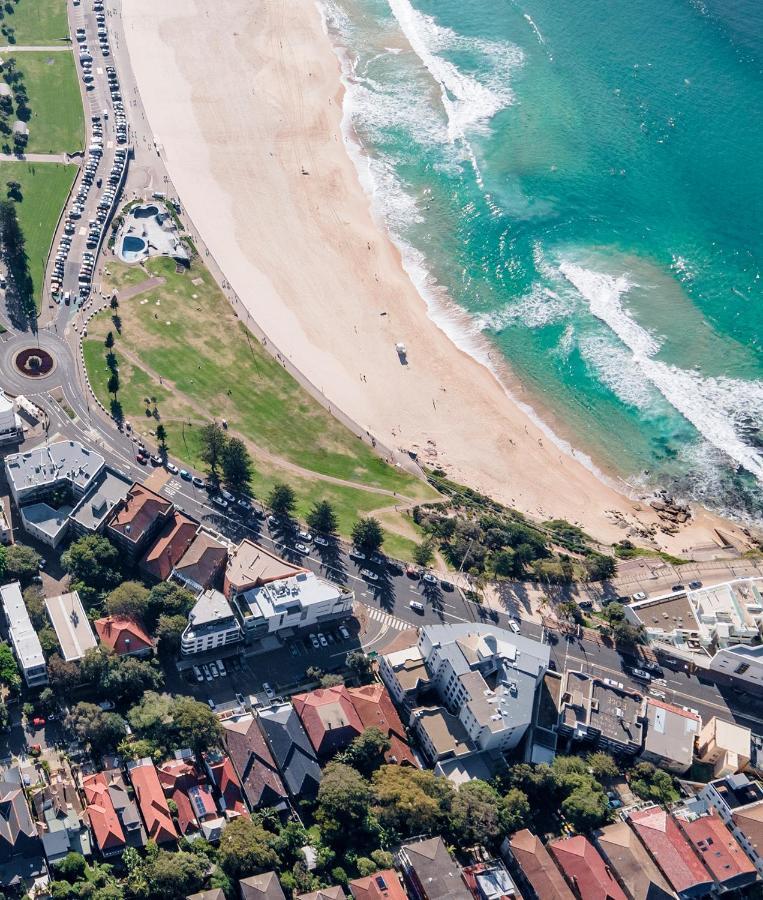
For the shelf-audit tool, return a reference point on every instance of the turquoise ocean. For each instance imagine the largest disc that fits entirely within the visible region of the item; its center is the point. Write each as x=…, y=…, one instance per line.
x=584, y=179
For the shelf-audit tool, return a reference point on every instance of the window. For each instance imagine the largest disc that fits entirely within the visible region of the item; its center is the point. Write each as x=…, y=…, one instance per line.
x=741, y=668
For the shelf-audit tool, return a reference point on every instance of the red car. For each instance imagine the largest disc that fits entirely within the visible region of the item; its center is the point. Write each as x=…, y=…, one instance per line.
x=38, y=722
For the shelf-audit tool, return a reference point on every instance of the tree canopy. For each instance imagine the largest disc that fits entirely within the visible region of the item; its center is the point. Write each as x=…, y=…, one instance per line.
x=322, y=518
x=237, y=467
x=102, y=730
x=367, y=535
x=282, y=500
x=94, y=561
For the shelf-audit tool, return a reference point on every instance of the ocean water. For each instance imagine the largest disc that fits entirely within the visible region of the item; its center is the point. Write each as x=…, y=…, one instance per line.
x=583, y=179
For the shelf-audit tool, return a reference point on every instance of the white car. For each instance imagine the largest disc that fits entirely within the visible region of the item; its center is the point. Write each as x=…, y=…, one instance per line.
x=213, y=670
x=171, y=467
x=322, y=639
x=301, y=548
x=314, y=641
x=639, y=595
x=243, y=503
x=221, y=502
x=221, y=667
x=357, y=554
x=198, y=674
x=305, y=535
x=641, y=674
x=369, y=575
x=269, y=692
x=211, y=703
x=320, y=541
x=227, y=494
x=429, y=578
x=207, y=673
x=416, y=606
x=514, y=625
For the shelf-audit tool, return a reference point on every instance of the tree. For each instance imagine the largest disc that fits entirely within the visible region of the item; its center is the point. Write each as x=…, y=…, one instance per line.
x=9, y=671
x=3, y=560
x=34, y=600
x=195, y=725
x=423, y=553
x=174, y=874
x=113, y=384
x=410, y=801
x=161, y=436
x=93, y=560
x=109, y=342
x=237, y=467
x=367, y=751
x=14, y=190
x=359, y=664
x=63, y=676
x=246, y=848
x=168, y=599
x=330, y=680
x=129, y=600
x=128, y=678
x=651, y=783
x=600, y=567
x=71, y=867
x=474, y=814
x=169, y=631
x=585, y=809
x=367, y=535
x=151, y=718
x=602, y=765
x=21, y=562
x=48, y=640
x=322, y=518
x=514, y=811
x=213, y=441
x=343, y=801
x=102, y=730
x=282, y=500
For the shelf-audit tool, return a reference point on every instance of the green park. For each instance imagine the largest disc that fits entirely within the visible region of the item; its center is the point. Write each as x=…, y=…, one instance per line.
x=33, y=22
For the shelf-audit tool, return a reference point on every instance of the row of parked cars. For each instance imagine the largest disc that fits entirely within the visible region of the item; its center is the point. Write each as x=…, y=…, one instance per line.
x=210, y=671
x=120, y=119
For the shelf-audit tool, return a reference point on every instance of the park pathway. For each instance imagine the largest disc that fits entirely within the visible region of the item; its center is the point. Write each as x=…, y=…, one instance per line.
x=62, y=158
x=10, y=49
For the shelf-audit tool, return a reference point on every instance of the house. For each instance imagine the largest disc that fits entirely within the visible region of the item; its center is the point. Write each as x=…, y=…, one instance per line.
x=73, y=630
x=328, y=893
x=261, y=887
x=102, y=815
x=105, y=493
x=60, y=817
x=45, y=523
x=632, y=865
x=24, y=640
x=153, y=805
x=20, y=847
x=40, y=473
x=671, y=732
x=739, y=803
x=223, y=776
x=211, y=624
x=109, y=787
x=202, y=565
x=719, y=850
x=254, y=763
x=430, y=872
x=124, y=636
x=383, y=885
x=250, y=566
x=442, y=735
x=602, y=713
x=291, y=749
x=541, y=880
x=585, y=870
x=137, y=520
x=188, y=789
x=329, y=718
x=660, y=834
x=169, y=546
x=725, y=746
x=375, y=709
x=490, y=881
x=212, y=894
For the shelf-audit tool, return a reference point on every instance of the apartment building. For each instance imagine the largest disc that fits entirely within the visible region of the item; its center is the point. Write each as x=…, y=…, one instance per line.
x=24, y=640
x=211, y=625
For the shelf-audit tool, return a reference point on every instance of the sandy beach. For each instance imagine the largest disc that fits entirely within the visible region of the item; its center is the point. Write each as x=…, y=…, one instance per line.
x=246, y=101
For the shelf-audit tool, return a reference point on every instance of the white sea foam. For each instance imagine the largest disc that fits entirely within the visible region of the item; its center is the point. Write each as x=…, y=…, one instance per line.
x=535, y=28
x=613, y=367
x=540, y=307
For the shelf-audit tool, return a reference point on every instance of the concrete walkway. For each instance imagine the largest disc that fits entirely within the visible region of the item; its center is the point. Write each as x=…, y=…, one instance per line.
x=16, y=48
x=63, y=158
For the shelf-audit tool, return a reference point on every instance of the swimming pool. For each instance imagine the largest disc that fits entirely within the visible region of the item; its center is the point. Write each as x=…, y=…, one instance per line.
x=133, y=248
x=144, y=212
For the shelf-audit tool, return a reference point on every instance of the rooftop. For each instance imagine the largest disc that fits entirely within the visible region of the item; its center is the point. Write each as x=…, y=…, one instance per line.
x=253, y=762
x=375, y=709
x=435, y=869
x=211, y=611
x=101, y=812
x=381, y=886
x=287, y=594
x=261, y=887
x=291, y=748
x=409, y=667
x=444, y=730
x=224, y=776
x=22, y=633
x=203, y=560
x=630, y=861
x=727, y=736
x=538, y=867
x=718, y=848
x=153, y=805
x=50, y=464
x=585, y=869
x=251, y=565
x=45, y=518
x=95, y=507
x=329, y=718
x=172, y=542
x=136, y=515
x=738, y=790
x=122, y=635
x=71, y=624
x=671, y=731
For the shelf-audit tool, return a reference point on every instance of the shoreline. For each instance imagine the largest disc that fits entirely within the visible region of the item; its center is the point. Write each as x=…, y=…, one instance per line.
x=256, y=149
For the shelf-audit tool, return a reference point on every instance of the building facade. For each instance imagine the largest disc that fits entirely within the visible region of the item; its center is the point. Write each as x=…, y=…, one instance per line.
x=211, y=625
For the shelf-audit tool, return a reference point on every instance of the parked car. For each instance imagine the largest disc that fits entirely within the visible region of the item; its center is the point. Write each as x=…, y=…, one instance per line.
x=314, y=641
x=305, y=535
x=213, y=669
x=641, y=675
x=695, y=585
x=677, y=587
x=207, y=673
x=416, y=606
x=344, y=632
x=639, y=595
x=369, y=575
x=269, y=692
x=221, y=667
x=220, y=501
x=185, y=475
x=211, y=703
x=320, y=540
x=301, y=548
x=322, y=639
x=197, y=482
x=171, y=467
x=429, y=578
x=198, y=674
x=514, y=625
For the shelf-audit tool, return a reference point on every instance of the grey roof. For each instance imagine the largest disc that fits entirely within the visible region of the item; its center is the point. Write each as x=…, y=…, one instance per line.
x=23, y=636
x=261, y=887
x=104, y=494
x=73, y=629
x=670, y=732
x=435, y=869
x=18, y=834
x=44, y=517
x=530, y=653
x=291, y=749
x=48, y=465
x=211, y=607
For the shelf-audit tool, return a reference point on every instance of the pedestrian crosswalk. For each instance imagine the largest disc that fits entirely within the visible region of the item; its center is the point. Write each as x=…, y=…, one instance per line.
x=387, y=619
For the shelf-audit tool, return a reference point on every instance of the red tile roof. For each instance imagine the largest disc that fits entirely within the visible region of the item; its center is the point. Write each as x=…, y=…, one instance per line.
x=101, y=813
x=538, y=867
x=122, y=635
x=329, y=718
x=381, y=886
x=140, y=509
x=585, y=869
x=152, y=803
x=374, y=706
x=226, y=781
x=662, y=837
x=168, y=549
x=718, y=848
x=188, y=789
x=203, y=560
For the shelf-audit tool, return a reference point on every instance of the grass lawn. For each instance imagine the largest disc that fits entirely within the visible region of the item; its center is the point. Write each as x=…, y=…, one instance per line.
x=57, y=124
x=35, y=21
x=185, y=333
x=44, y=189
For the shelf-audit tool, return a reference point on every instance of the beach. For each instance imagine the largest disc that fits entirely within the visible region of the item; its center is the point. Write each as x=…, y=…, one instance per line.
x=246, y=103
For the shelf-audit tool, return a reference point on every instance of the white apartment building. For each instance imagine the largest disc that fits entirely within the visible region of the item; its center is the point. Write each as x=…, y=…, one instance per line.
x=300, y=601
x=10, y=426
x=211, y=624
x=24, y=640
x=742, y=663
x=35, y=474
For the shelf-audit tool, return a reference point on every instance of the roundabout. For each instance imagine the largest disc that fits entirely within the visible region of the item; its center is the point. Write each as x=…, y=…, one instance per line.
x=34, y=362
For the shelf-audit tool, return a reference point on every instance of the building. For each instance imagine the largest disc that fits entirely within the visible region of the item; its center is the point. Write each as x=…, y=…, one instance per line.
x=46, y=523
x=254, y=763
x=629, y=861
x=20, y=847
x=223, y=776
x=189, y=790
x=169, y=547
x=430, y=872
x=739, y=803
x=302, y=600
x=6, y=532
x=602, y=712
x=741, y=663
x=203, y=563
x=106, y=492
x=211, y=894
x=671, y=732
x=38, y=474
x=541, y=880
x=60, y=817
x=261, y=887
x=719, y=850
x=490, y=881
x=329, y=718
x=75, y=636
x=725, y=746
x=153, y=805
x=327, y=893
x=383, y=885
x=585, y=870
x=211, y=624
x=102, y=815
x=291, y=749
x=441, y=735
x=137, y=520
x=250, y=566
x=669, y=848
x=124, y=636
x=405, y=676
x=24, y=640
x=375, y=709
x=10, y=425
